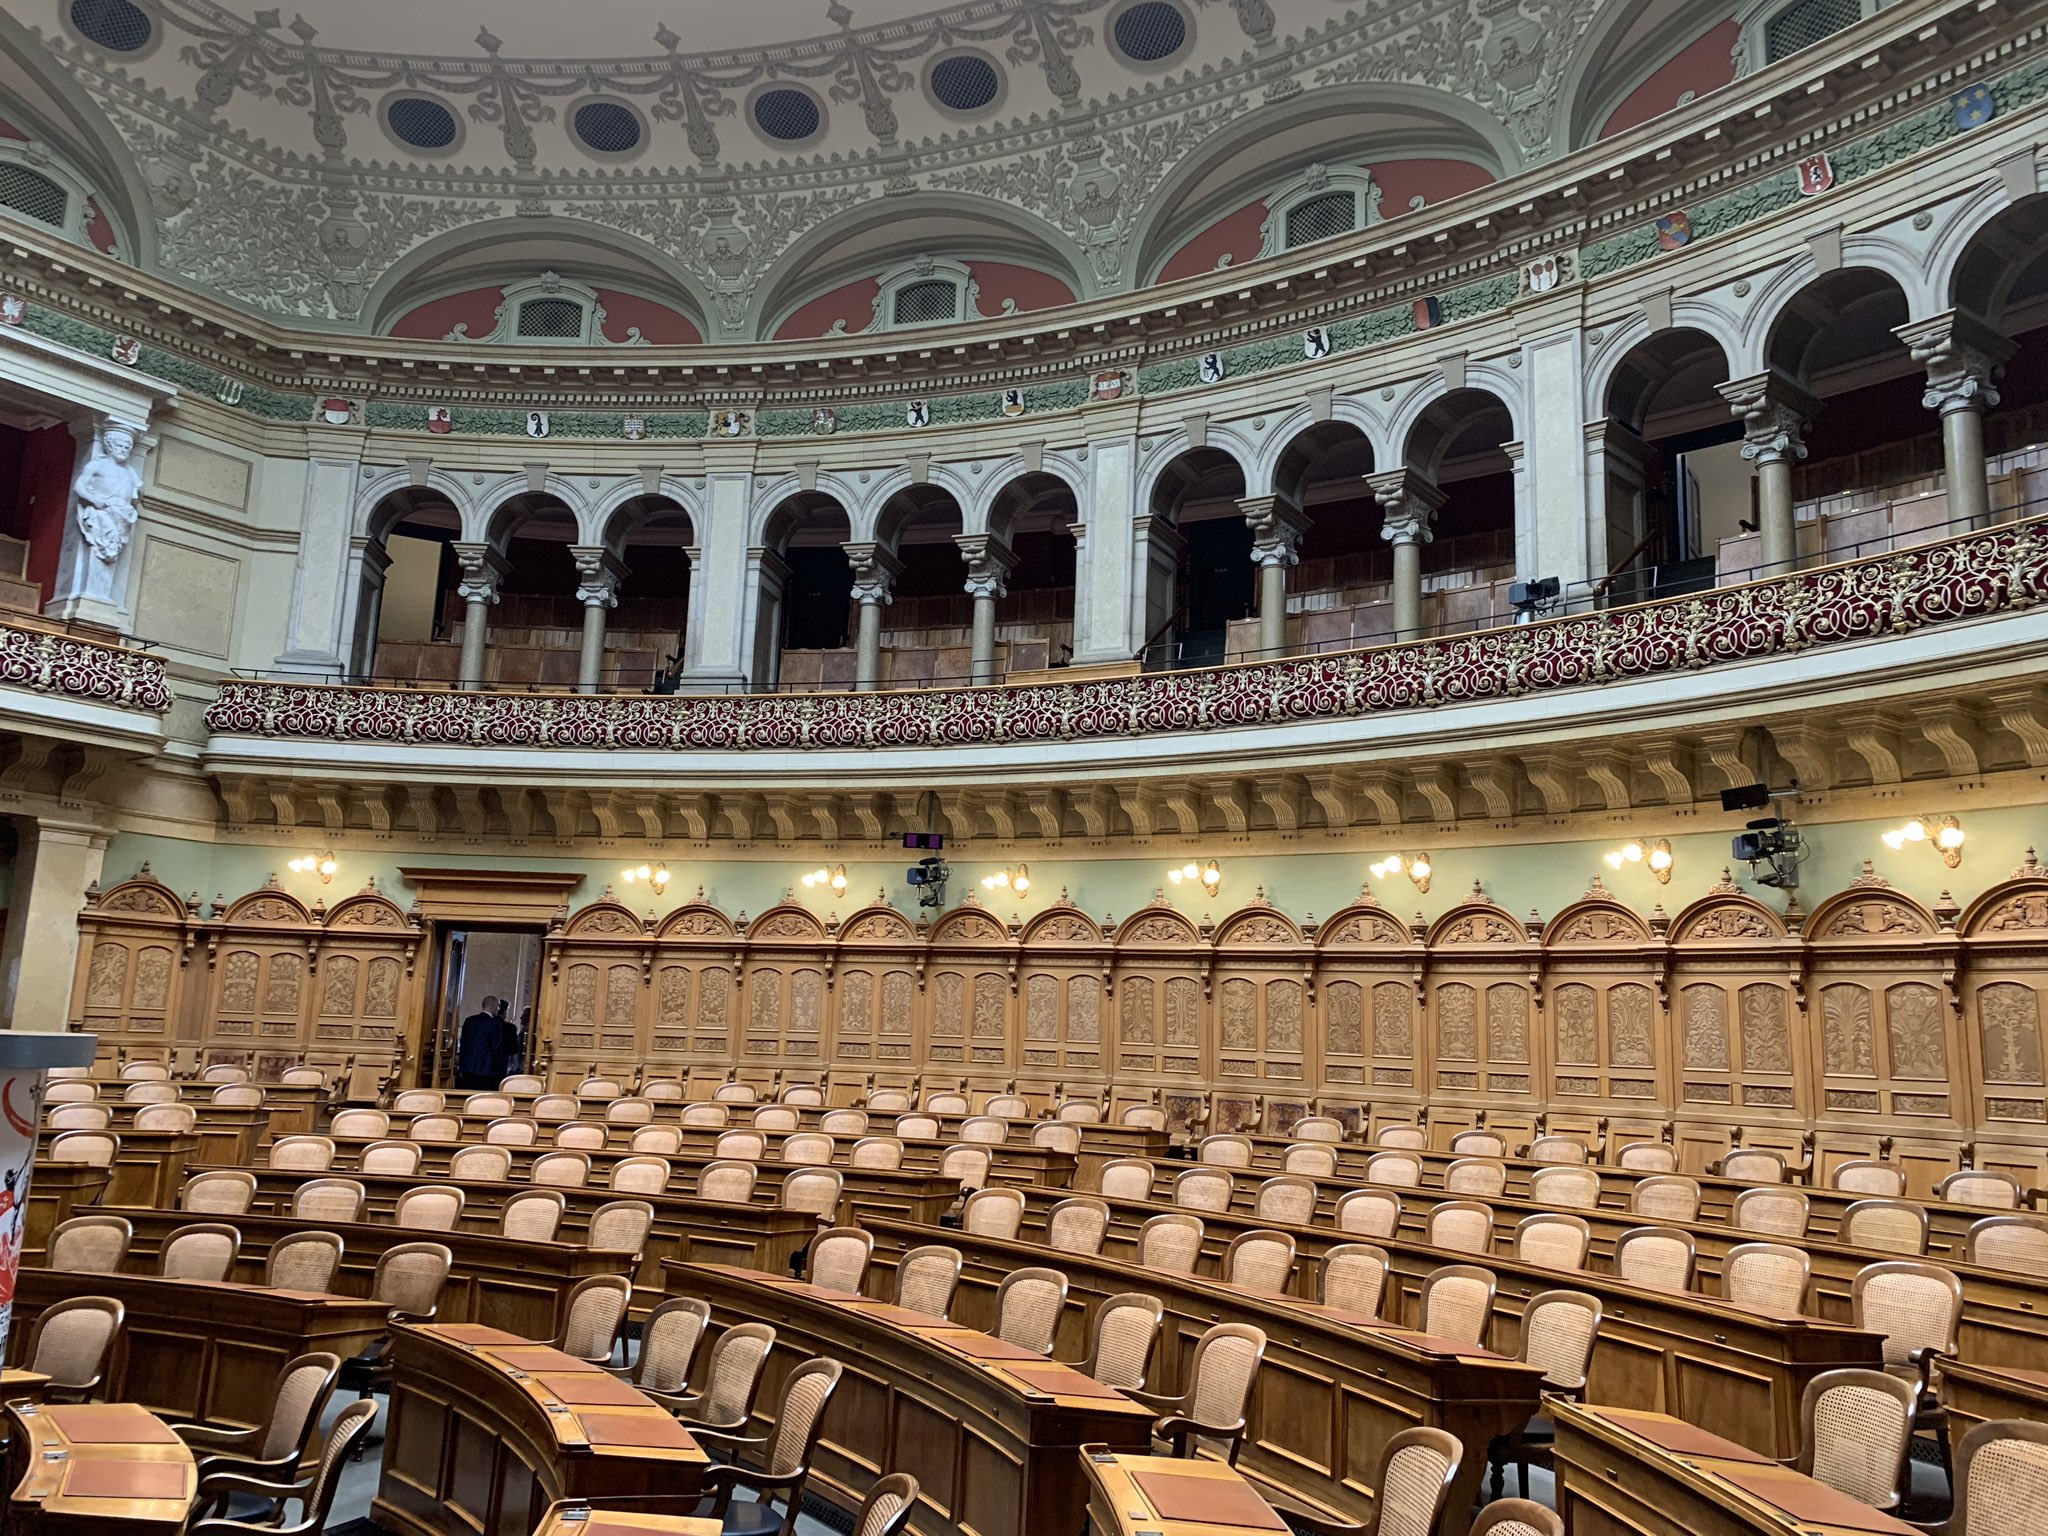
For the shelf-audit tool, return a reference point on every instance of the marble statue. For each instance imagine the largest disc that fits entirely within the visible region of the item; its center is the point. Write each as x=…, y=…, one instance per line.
x=106, y=490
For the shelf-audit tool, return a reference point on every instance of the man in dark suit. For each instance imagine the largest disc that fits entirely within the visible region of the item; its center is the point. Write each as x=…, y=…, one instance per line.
x=480, y=1053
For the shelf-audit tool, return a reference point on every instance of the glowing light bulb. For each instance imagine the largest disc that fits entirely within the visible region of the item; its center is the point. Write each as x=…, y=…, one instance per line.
x=1660, y=856
x=1174, y=875
x=1420, y=868
x=1915, y=830
x=1191, y=870
x=1212, y=874
x=1614, y=860
x=1950, y=836
x=839, y=879
x=1633, y=852
x=1895, y=840
x=1023, y=881
x=327, y=866
x=661, y=874
x=1379, y=869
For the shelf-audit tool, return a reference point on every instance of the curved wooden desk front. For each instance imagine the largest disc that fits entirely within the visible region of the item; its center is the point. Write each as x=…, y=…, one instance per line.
x=1164, y=1496
x=193, y=1349
x=993, y=1442
x=488, y=1429
x=96, y=1469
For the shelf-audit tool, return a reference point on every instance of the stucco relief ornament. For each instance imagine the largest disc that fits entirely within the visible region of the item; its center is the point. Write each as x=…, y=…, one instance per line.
x=824, y=421
x=106, y=490
x=13, y=309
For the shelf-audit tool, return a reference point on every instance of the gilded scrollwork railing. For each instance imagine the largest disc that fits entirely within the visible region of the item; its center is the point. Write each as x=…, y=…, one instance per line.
x=1979, y=574
x=51, y=662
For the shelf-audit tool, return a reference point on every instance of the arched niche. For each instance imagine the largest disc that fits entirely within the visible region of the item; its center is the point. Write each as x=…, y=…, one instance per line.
x=2005, y=1011
x=1736, y=1029
x=1159, y=972
x=1261, y=985
x=593, y=1011
x=1602, y=1012
x=1368, y=996
x=130, y=986
x=1885, y=1031
x=968, y=999
x=1481, y=1039
x=782, y=990
x=875, y=988
x=259, y=976
x=1064, y=973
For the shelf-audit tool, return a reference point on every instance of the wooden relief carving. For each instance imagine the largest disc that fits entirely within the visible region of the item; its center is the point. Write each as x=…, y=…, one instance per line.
x=281, y=995
x=1507, y=1022
x=949, y=1006
x=579, y=995
x=672, y=997
x=1239, y=1015
x=2026, y=911
x=1918, y=1047
x=897, y=991
x=1481, y=928
x=1084, y=1010
x=1042, y=1007
x=2010, y=1017
x=1706, y=1028
x=857, y=1005
x=1631, y=1012
x=338, y=987
x=988, y=1006
x=1457, y=1014
x=238, y=981
x=1283, y=1015
x=380, y=992
x=1183, y=1010
x=1766, y=1042
x=806, y=1008
x=1577, y=1027
x=764, y=1004
x=1393, y=1020
x=1138, y=1028
x=1730, y=922
x=1847, y=1048
x=1344, y=1002
x=1871, y=919
x=107, y=980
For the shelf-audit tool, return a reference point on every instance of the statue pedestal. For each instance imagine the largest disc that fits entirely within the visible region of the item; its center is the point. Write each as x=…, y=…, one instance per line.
x=25, y=1062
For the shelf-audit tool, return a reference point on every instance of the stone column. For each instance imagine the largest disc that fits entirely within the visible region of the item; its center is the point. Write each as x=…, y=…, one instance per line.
x=770, y=578
x=375, y=564
x=719, y=646
x=1156, y=599
x=56, y=862
x=598, y=574
x=1775, y=413
x=482, y=568
x=989, y=563
x=1408, y=507
x=314, y=636
x=1963, y=358
x=874, y=581
x=99, y=527
x=1277, y=527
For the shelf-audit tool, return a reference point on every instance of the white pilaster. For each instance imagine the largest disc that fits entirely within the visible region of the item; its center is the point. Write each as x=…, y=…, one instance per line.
x=315, y=641
x=725, y=605
x=1554, y=445
x=1109, y=604
x=39, y=955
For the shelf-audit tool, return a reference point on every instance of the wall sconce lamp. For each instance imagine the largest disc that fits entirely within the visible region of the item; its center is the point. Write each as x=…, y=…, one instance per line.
x=1943, y=833
x=1018, y=880
x=1417, y=869
x=1635, y=851
x=1208, y=876
x=321, y=864
x=657, y=876
x=835, y=878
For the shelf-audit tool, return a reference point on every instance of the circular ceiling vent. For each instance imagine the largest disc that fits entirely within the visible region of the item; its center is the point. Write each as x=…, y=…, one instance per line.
x=1150, y=31
x=119, y=26
x=421, y=122
x=788, y=116
x=607, y=128
x=965, y=82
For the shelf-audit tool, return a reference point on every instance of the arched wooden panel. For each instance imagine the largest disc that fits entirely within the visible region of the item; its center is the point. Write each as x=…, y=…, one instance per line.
x=2005, y=1014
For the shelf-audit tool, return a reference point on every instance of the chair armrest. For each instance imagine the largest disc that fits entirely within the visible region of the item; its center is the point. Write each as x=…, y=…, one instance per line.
x=727, y=1476
x=1178, y=1431
x=1924, y=1361
x=207, y=1437
x=236, y=1482
x=732, y=1443
x=1157, y=1402
x=1319, y=1525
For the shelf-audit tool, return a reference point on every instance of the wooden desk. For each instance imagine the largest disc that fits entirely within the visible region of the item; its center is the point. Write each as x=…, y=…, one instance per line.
x=1614, y=1480
x=994, y=1453
x=1119, y=1506
x=1330, y=1393
x=572, y=1518
x=1976, y=1393
x=97, y=1469
x=1099, y=1143
x=487, y=1429
x=521, y=1285
x=192, y=1349
x=21, y=1386
x=1675, y=1351
x=58, y=1192
x=287, y=1110
x=148, y=1170
x=754, y=1236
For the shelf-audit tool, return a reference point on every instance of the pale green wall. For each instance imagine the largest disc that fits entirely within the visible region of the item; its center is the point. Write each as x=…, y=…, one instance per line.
x=1519, y=876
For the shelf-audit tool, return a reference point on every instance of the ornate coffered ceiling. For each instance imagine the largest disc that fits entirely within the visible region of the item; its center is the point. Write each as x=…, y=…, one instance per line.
x=314, y=163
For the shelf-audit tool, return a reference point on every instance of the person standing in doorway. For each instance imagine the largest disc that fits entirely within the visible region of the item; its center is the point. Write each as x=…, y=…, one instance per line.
x=509, y=1054
x=480, y=1053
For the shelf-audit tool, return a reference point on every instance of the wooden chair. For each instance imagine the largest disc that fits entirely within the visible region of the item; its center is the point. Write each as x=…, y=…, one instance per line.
x=1752, y=1165
x=1648, y=1157
x=662, y=1090
x=732, y=1375
x=1417, y=1468
x=1402, y=1138
x=730, y=1181
x=786, y=1455
x=145, y=1072
x=1287, y=1197
x=580, y=1136
x=1561, y=1150
x=1889, y=1226
x=419, y=1101
x=1868, y=1176
x=838, y=1258
x=218, y=1192
x=1564, y=1187
x=629, y=1111
x=313, y=1493
x=888, y=1101
x=592, y=1317
x=707, y=1117
x=1856, y=1434
x=1225, y=1151
x=746, y=1146
x=1479, y=1178
x=238, y=1096
x=1398, y=1169
x=668, y=1347
x=329, y=1200
x=224, y=1072
x=428, y=1208
x=1078, y=1224
x=555, y=1108
x=179, y=1119
x=640, y=1175
x=887, y=1509
x=1659, y=1257
x=1517, y=1517
x=480, y=1164
x=89, y=1245
x=303, y=1077
x=1353, y=1276
x=816, y=1190
x=532, y=1215
x=394, y=1157
x=1554, y=1239
x=946, y=1103
x=302, y=1154
x=657, y=1140
x=271, y=1449
x=561, y=1170
x=1368, y=1213
x=1171, y=1241
x=1770, y=1276
x=71, y=1343
x=876, y=1152
x=1479, y=1144
x=844, y=1122
x=2018, y=1244
x=1210, y=1416
x=408, y=1282
x=94, y=1149
x=1260, y=1260
x=512, y=1131
x=775, y=1119
x=735, y=1093
x=150, y=1091
x=521, y=1082
x=1666, y=1197
x=1780, y=1212
x=1457, y=1302
x=596, y=1087
x=70, y=1091
x=1146, y=1117
x=1028, y=1306
x=1126, y=1178
x=81, y=1116
x=620, y=1226
x=804, y=1095
x=303, y=1261
x=359, y=1122
x=2000, y=1481
x=1460, y=1226
x=1981, y=1187
x=1918, y=1308
x=917, y=1126
x=995, y=1212
x=1314, y=1159
x=1203, y=1189
x=495, y=1105
x=813, y=1148
x=966, y=1165
x=201, y=1251
x=1057, y=1136
x=927, y=1278
x=1122, y=1338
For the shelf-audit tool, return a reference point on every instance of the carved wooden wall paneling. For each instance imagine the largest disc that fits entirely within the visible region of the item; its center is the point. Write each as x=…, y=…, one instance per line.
x=968, y=998
x=1369, y=995
x=267, y=982
x=1604, y=1019
x=873, y=1004
x=1482, y=1042
x=1064, y=1000
x=2005, y=1014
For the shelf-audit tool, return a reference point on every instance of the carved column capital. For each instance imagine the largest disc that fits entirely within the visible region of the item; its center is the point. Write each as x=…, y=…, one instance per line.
x=598, y=574
x=1963, y=357
x=875, y=571
x=1775, y=414
x=1277, y=527
x=481, y=568
x=1408, y=505
x=989, y=563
